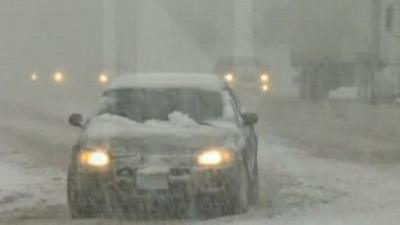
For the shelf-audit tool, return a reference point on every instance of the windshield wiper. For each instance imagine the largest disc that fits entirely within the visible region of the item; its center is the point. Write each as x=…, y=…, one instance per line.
x=203, y=122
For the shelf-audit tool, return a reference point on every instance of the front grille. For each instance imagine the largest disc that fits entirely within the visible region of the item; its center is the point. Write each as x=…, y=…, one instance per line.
x=125, y=180
x=179, y=172
x=125, y=172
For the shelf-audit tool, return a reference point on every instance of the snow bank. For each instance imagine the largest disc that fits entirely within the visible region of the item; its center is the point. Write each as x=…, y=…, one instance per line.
x=180, y=125
x=176, y=119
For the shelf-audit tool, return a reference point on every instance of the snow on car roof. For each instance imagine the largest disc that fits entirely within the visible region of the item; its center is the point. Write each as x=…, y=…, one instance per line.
x=168, y=80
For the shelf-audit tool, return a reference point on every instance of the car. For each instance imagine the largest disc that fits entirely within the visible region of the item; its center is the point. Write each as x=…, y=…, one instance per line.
x=245, y=73
x=164, y=142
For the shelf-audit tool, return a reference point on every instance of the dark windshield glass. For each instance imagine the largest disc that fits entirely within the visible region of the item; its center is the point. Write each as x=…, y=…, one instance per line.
x=145, y=104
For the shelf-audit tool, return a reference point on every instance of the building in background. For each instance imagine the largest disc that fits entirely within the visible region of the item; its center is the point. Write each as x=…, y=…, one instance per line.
x=347, y=43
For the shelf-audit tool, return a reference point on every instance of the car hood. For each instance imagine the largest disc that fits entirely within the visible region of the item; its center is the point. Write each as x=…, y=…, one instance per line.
x=125, y=137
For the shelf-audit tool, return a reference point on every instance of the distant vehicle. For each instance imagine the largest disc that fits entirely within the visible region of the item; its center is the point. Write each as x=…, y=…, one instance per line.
x=244, y=73
x=59, y=78
x=169, y=142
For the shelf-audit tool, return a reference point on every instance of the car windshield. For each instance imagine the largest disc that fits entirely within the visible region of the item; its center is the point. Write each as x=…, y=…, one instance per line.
x=141, y=104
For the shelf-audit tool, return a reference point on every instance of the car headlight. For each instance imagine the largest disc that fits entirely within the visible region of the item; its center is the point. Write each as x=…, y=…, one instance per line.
x=264, y=78
x=229, y=78
x=58, y=77
x=34, y=77
x=265, y=87
x=215, y=157
x=95, y=158
x=103, y=79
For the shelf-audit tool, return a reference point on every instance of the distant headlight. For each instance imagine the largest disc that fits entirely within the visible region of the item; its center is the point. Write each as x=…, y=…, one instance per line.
x=34, y=77
x=103, y=79
x=215, y=157
x=264, y=78
x=265, y=87
x=95, y=158
x=229, y=78
x=58, y=77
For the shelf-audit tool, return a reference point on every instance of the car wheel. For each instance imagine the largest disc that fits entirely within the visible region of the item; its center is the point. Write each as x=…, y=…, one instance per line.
x=255, y=185
x=77, y=206
x=234, y=200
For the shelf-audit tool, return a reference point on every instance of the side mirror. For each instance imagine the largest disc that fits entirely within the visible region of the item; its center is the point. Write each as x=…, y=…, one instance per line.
x=76, y=120
x=250, y=118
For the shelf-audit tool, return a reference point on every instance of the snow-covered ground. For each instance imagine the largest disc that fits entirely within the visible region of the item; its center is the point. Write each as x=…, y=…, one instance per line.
x=26, y=181
x=24, y=185
x=297, y=187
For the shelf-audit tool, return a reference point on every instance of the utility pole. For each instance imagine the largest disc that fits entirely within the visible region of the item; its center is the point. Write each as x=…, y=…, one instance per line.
x=110, y=45
x=244, y=28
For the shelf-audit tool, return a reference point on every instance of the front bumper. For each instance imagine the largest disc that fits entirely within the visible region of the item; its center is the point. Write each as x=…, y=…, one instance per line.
x=184, y=185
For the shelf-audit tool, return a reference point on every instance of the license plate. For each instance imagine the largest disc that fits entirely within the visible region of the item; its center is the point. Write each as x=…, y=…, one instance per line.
x=152, y=182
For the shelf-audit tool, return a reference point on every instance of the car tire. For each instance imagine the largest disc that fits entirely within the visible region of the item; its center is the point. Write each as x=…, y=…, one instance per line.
x=255, y=186
x=240, y=200
x=78, y=209
x=234, y=200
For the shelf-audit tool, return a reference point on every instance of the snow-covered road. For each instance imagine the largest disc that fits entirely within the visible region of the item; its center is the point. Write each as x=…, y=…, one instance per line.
x=296, y=187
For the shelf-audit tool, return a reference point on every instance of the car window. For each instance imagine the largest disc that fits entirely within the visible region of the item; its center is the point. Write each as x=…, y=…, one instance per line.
x=140, y=104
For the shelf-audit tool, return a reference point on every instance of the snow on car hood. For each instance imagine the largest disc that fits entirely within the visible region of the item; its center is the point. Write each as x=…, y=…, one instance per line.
x=179, y=134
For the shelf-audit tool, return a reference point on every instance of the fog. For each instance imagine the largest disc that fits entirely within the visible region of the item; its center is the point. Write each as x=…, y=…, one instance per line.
x=44, y=36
